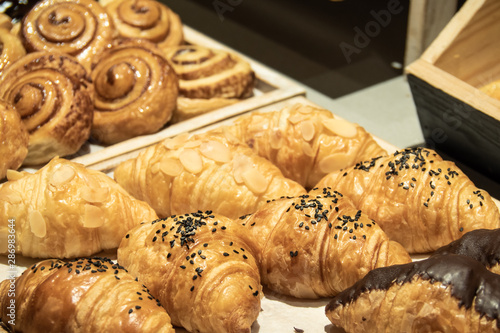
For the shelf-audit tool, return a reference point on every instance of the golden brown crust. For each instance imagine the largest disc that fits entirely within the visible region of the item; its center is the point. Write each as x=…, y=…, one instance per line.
x=64, y=210
x=492, y=89
x=5, y=21
x=13, y=139
x=203, y=172
x=83, y=295
x=135, y=91
x=306, y=142
x=11, y=48
x=53, y=95
x=418, y=199
x=201, y=267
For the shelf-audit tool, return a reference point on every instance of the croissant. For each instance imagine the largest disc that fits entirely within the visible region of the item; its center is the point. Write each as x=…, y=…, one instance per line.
x=317, y=245
x=53, y=94
x=13, y=139
x=135, y=91
x=11, y=47
x=81, y=295
x=201, y=268
x=64, y=210
x=419, y=200
x=449, y=293
x=305, y=142
x=209, y=171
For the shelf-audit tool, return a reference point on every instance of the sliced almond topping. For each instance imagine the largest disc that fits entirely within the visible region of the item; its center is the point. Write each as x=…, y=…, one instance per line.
x=307, y=149
x=230, y=136
x=334, y=162
x=37, y=223
x=95, y=195
x=275, y=138
x=294, y=119
x=6, y=194
x=341, y=127
x=216, y=151
x=14, y=175
x=305, y=109
x=171, y=166
x=155, y=168
x=255, y=181
x=240, y=164
x=176, y=142
x=191, y=160
x=93, y=216
x=307, y=129
x=62, y=175
x=192, y=144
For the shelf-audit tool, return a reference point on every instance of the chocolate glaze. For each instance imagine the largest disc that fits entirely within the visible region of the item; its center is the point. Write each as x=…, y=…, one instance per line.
x=482, y=245
x=467, y=278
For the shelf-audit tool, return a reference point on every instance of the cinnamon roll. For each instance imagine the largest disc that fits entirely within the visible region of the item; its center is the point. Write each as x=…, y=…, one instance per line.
x=135, y=91
x=146, y=19
x=80, y=28
x=53, y=94
x=208, y=79
x=11, y=48
x=13, y=139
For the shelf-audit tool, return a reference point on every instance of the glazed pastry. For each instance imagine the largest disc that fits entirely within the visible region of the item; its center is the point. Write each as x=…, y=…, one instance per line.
x=11, y=48
x=53, y=95
x=81, y=295
x=492, y=89
x=135, y=91
x=146, y=19
x=5, y=22
x=306, y=142
x=201, y=268
x=13, y=139
x=418, y=199
x=442, y=294
x=64, y=210
x=208, y=79
x=317, y=245
x=481, y=245
x=203, y=172
x=80, y=28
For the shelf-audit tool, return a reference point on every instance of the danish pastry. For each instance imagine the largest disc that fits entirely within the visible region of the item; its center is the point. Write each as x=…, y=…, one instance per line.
x=13, y=139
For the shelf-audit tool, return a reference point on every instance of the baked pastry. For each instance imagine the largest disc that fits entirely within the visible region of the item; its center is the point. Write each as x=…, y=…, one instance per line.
x=306, y=142
x=13, y=139
x=482, y=245
x=492, y=89
x=146, y=19
x=80, y=28
x=81, y=295
x=53, y=94
x=64, y=210
x=449, y=293
x=135, y=91
x=419, y=200
x=201, y=268
x=209, y=171
x=208, y=79
x=317, y=245
x=11, y=48
x=5, y=21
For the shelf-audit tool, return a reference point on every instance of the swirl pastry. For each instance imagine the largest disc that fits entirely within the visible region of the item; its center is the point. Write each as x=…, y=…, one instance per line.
x=135, y=91
x=203, y=172
x=146, y=19
x=305, y=142
x=208, y=79
x=317, y=245
x=64, y=210
x=418, y=199
x=449, y=293
x=11, y=48
x=201, y=267
x=82, y=295
x=53, y=95
x=80, y=28
x=13, y=139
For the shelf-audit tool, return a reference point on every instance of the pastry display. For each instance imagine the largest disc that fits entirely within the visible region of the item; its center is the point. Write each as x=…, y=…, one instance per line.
x=210, y=171
x=449, y=293
x=81, y=295
x=419, y=200
x=13, y=139
x=135, y=91
x=208, y=79
x=11, y=47
x=80, y=28
x=53, y=94
x=306, y=142
x=317, y=245
x=64, y=210
x=201, y=268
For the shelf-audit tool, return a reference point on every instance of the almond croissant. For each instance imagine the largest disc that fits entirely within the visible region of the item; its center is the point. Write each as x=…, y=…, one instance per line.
x=64, y=210
x=418, y=199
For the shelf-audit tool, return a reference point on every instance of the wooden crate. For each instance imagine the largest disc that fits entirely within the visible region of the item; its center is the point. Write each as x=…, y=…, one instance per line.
x=456, y=117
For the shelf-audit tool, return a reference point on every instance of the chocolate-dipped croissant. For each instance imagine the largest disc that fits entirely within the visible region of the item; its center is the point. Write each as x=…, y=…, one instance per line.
x=82, y=295
x=201, y=268
x=418, y=199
